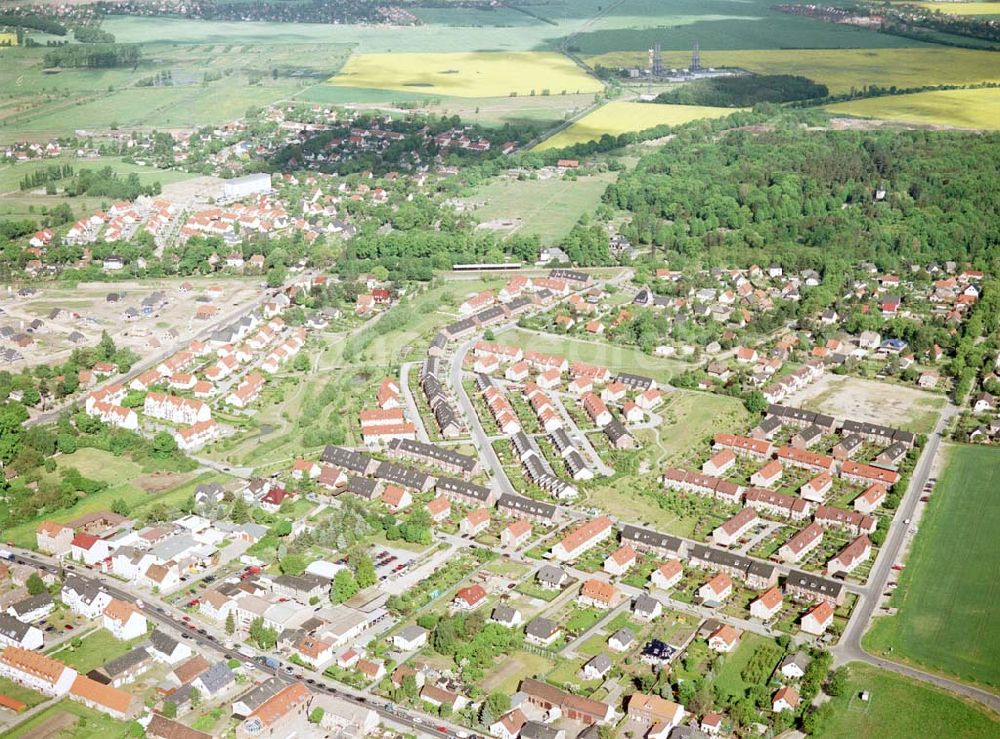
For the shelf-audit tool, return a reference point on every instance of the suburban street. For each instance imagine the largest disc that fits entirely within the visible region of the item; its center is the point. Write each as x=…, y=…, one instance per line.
x=215, y=641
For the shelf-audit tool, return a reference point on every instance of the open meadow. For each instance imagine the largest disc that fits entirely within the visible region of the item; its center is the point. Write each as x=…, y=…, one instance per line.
x=901, y=708
x=615, y=358
x=620, y=117
x=843, y=69
x=960, y=108
x=547, y=208
x=468, y=74
x=948, y=592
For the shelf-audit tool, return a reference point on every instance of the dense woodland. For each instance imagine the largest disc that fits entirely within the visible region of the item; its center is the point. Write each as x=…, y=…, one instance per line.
x=93, y=56
x=745, y=90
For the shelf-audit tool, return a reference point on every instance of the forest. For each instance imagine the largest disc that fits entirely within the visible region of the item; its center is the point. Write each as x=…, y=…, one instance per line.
x=745, y=91
x=808, y=199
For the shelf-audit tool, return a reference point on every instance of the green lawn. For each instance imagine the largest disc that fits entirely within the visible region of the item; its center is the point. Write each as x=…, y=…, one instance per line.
x=98, y=647
x=948, y=593
x=507, y=676
x=626, y=359
x=20, y=693
x=900, y=708
x=728, y=681
x=122, y=473
x=69, y=720
x=547, y=208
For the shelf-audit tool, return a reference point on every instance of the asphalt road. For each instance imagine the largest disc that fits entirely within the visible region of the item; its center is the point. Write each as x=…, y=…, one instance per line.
x=206, y=640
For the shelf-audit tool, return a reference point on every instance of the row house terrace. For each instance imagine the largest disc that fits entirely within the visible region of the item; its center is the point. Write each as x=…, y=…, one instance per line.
x=176, y=409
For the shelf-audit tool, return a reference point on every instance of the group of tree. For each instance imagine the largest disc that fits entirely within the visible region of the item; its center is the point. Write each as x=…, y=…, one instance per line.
x=93, y=56
x=106, y=182
x=744, y=91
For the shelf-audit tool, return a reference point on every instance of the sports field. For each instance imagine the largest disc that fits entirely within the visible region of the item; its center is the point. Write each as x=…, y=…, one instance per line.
x=469, y=74
x=548, y=208
x=948, y=593
x=960, y=108
x=620, y=117
x=843, y=69
x=901, y=708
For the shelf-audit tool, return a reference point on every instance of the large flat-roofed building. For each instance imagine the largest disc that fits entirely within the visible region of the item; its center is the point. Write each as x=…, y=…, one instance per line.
x=258, y=183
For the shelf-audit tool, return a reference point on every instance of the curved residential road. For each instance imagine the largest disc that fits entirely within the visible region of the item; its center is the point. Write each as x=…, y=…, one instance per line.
x=850, y=648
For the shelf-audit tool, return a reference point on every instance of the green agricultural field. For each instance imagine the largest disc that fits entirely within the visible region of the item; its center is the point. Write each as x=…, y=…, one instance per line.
x=901, y=708
x=960, y=108
x=546, y=208
x=626, y=359
x=620, y=117
x=947, y=595
x=468, y=74
x=963, y=8
x=844, y=69
x=67, y=719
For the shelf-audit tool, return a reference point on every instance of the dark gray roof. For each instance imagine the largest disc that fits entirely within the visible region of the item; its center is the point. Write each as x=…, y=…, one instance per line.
x=405, y=476
x=503, y=614
x=538, y=730
x=125, y=663
x=645, y=604
x=162, y=642
x=573, y=275
x=615, y=430
x=639, y=382
x=13, y=629
x=463, y=488
x=31, y=603
x=435, y=452
x=345, y=458
x=541, y=628
x=624, y=635
x=814, y=584
x=649, y=538
x=256, y=696
x=528, y=506
x=602, y=663
x=551, y=574
x=364, y=487
x=216, y=677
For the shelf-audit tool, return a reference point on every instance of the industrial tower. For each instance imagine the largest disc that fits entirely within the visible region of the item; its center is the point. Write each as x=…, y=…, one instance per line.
x=695, y=58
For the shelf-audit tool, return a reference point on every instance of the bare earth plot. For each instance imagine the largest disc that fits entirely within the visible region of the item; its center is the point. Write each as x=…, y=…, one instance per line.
x=875, y=402
x=86, y=310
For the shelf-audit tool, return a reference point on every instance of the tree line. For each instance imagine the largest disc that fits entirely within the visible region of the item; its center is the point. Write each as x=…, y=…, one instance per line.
x=744, y=91
x=93, y=56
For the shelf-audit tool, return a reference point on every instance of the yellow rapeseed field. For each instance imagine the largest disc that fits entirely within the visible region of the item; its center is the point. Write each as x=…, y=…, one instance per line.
x=961, y=108
x=842, y=69
x=964, y=8
x=621, y=117
x=471, y=74
x=8, y=39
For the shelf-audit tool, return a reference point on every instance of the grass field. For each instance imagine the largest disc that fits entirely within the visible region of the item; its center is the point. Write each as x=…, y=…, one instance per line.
x=20, y=693
x=69, y=720
x=507, y=676
x=548, y=208
x=843, y=69
x=468, y=74
x=620, y=117
x=948, y=593
x=900, y=708
x=96, y=648
x=961, y=108
x=728, y=681
x=964, y=8
x=126, y=481
x=613, y=357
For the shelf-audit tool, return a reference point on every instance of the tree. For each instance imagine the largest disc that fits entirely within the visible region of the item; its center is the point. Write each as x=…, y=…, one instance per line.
x=240, y=512
x=164, y=445
x=301, y=362
x=170, y=709
x=35, y=585
x=755, y=402
x=121, y=507
x=282, y=528
x=265, y=638
x=316, y=715
x=293, y=564
x=66, y=443
x=344, y=586
x=106, y=347
x=230, y=623
x=364, y=570
x=837, y=682
x=195, y=696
